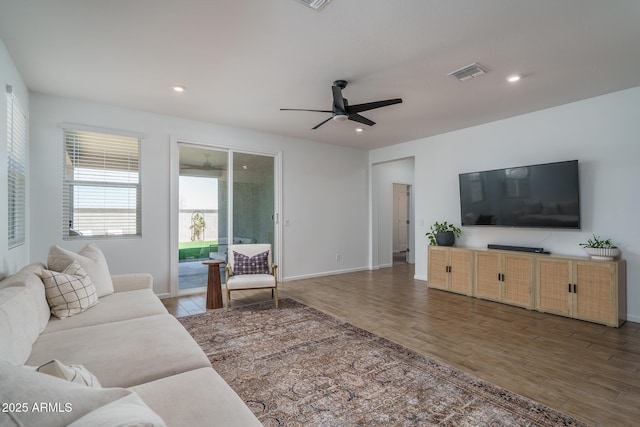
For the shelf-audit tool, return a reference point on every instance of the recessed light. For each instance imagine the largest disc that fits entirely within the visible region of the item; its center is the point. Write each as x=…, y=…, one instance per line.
x=179, y=89
x=514, y=78
x=359, y=129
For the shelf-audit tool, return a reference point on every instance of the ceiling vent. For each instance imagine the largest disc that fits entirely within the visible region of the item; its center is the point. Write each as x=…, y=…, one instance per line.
x=315, y=4
x=472, y=71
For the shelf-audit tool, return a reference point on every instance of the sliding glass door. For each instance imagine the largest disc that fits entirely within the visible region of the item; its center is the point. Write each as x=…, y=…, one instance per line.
x=207, y=219
x=202, y=191
x=253, y=199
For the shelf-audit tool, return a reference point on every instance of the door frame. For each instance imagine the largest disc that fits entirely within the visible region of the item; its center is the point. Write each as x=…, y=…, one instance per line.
x=174, y=169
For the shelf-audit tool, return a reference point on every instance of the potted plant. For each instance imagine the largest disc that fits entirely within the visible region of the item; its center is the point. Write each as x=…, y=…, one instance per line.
x=601, y=249
x=443, y=234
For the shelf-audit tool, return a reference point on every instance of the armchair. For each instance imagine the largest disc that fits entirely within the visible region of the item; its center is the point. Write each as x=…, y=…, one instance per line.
x=250, y=266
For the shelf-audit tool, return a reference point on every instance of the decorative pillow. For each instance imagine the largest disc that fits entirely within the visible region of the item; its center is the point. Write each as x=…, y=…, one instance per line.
x=90, y=258
x=257, y=264
x=70, y=292
x=73, y=373
x=63, y=401
x=128, y=411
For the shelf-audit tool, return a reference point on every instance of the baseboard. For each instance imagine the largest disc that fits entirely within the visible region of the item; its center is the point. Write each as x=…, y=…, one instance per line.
x=422, y=278
x=163, y=295
x=325, y=273
x=631, y=318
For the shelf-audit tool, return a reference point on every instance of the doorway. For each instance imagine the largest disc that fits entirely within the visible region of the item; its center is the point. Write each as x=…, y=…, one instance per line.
x=401, y=223
x=223, y=197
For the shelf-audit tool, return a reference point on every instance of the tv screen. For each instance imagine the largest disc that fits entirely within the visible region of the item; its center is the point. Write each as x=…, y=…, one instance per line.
x=545, y=195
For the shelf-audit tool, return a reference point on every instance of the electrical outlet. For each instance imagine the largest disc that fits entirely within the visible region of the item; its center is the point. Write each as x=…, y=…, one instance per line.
x=338, y=257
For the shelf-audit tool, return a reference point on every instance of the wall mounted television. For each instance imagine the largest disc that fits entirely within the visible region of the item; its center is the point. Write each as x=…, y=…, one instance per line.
x=534, y=196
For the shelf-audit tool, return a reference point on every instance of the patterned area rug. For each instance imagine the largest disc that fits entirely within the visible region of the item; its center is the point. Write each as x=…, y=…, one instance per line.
x=297, y=366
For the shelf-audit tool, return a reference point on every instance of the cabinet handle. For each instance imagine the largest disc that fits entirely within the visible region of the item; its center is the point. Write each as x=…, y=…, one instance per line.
x=575, y=291
x=569, y=287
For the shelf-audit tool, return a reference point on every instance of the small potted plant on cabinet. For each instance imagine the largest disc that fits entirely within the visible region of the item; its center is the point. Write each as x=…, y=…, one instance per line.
x=600, y=249
x=443, y=234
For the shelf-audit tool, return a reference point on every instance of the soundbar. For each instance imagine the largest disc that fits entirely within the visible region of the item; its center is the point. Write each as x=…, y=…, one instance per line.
x=517, y=248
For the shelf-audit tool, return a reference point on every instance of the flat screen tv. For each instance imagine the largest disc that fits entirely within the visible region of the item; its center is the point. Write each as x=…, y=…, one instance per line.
x=534, y=196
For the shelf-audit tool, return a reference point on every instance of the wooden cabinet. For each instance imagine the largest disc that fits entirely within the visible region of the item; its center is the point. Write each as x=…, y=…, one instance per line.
x=567, y=286
x=505, y=277
x=587, y=290
x=451, y=269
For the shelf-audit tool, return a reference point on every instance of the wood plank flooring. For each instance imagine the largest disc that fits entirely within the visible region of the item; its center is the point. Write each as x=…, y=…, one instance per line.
x=589, y=371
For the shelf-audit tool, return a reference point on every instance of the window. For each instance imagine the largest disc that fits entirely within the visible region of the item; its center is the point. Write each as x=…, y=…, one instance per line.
x=16, y=170
x=101, y=185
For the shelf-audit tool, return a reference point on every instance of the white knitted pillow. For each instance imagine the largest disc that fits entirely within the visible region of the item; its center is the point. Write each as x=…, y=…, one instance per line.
x=74, y=373
x=70, y=292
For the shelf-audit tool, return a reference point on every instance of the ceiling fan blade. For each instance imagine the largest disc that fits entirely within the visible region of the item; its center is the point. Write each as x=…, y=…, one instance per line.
x=318, y=125
x=361, y=119
x=298, y=109
x=338, y=100
x=359, y=108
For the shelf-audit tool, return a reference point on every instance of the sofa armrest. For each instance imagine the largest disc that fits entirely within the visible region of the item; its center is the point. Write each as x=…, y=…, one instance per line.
x=132, y=282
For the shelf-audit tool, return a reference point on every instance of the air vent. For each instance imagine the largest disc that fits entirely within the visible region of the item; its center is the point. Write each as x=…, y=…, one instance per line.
x=315, y=4
x=472, y=71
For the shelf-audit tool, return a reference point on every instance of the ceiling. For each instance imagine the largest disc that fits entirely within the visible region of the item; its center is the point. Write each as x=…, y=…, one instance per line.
x=243, y=60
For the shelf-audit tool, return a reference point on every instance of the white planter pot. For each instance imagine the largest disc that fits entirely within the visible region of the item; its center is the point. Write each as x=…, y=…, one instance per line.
x=602, y=254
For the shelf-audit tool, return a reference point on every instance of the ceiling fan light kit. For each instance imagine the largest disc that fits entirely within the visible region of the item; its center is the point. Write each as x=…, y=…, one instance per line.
x=341, y=110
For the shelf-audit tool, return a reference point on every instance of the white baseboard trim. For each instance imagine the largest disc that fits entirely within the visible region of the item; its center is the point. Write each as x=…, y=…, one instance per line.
x=163, y=295
x=325, y=273
x=632, y=318
x=423, y=278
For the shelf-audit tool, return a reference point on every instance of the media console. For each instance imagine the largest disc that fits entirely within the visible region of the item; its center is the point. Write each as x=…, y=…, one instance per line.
x=576, y=287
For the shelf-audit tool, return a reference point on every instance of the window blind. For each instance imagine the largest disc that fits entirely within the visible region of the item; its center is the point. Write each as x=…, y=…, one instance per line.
x=16, y=170
x=101, y=185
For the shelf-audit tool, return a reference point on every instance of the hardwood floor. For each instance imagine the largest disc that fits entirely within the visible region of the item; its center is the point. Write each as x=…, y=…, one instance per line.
x=589, y=371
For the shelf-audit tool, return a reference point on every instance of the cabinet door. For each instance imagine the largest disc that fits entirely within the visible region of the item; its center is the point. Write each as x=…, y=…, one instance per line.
x=461, y=271
x=553, y=279
x=595, y=295
x=487, y=280
x=518, y=280
x=438, y=263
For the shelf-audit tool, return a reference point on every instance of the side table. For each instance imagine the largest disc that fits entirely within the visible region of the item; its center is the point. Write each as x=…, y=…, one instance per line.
x=214, y=287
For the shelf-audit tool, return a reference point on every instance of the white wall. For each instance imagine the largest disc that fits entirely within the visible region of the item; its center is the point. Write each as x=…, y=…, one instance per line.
x=12, y=259
x=324, y=198
x=383, y=176
x=602, y=133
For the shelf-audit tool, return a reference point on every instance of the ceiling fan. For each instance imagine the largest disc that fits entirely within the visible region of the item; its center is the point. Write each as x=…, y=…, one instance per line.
x=341, y=109
x=206, y=168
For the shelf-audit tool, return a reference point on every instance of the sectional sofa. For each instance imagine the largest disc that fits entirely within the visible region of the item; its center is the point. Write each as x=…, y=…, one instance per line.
x=143, y=366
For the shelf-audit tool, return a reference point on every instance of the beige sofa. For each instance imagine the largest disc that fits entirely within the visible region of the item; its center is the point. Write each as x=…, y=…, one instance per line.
x=143, y=358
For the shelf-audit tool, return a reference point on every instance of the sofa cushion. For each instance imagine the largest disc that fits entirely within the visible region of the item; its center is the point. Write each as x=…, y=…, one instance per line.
x=205, y=400
x=113, y=308
x=69, y=401
x=256, y=264
x=74, y=373
x=23, y=313
x=124, y=353
x=127, y=411
x=90, y=258
x=70, y=292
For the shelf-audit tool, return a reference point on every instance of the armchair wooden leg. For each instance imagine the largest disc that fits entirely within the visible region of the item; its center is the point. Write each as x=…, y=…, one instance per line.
x=228, y=298
x=276, y=295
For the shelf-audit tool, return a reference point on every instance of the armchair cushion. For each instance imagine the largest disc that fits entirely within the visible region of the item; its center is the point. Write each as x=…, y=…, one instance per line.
x=253, y=281
x=257, y=264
